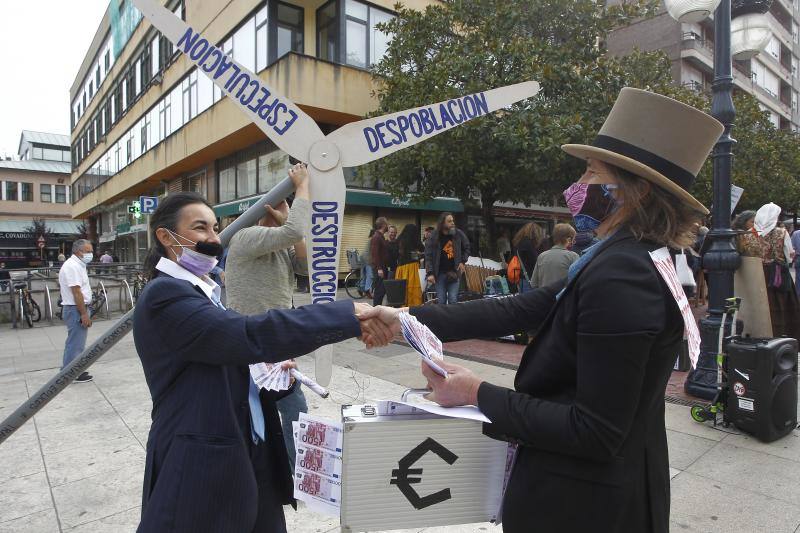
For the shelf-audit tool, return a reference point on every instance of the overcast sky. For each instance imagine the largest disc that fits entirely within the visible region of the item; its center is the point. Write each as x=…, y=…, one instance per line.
x=42, y=44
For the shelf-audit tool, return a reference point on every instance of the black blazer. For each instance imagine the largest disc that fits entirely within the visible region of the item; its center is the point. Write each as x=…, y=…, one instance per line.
x=199, y=475
x=588, y=404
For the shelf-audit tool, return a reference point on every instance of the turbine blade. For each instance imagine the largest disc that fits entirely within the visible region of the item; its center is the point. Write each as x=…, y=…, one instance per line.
x=279, y=118
x=373, y=138
x=323, y=241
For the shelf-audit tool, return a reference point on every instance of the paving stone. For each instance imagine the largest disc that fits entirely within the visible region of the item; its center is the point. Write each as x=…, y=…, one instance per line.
x=676, y=417
x=23, y=496
x=94, y=458
x=126, y=521
x=686, y=449
x=787, y=447
x=38, y=522
x=746, y=469
x=703, y=505
x=98, y=496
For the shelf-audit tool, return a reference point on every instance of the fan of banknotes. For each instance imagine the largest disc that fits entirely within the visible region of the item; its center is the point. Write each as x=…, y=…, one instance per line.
x=422, y=339
x=271, y=376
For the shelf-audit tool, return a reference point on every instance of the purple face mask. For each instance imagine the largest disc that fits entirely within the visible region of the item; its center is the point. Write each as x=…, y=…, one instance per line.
x=195, y=262
x=589, y=204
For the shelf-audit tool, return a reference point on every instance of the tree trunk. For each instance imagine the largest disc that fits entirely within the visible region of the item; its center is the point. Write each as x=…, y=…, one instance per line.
x=487, y=213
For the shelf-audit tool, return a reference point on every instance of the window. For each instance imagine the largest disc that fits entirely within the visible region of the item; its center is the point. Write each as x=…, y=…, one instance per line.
x=61, y=194
x=327, y=32
x=45, y=193
x=272, y=167
x=244, y=47
x=246, y=176
x=11, y=191
x=154, y=57
x=261, y=39
x=289, y=29
x=363, y=44
x=189, y=95
x=26, y=192
x=145, y=128
x=227, y=180
x=356, y=15
x=97, y=77
x=107, y=61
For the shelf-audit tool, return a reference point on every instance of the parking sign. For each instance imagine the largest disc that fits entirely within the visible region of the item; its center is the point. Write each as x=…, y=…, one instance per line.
x=148, y=204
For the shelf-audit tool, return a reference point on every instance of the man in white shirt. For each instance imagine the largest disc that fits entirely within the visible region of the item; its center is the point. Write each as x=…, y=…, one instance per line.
x=76, y=295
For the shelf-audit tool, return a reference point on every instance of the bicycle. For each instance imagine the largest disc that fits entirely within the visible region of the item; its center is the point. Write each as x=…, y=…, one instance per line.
x=98, y=301
x=28, y=310
x=353, y=283
x=138, y=285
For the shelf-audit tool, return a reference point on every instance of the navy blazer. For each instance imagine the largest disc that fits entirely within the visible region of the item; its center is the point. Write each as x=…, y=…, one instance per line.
x=199, y=475
x=588, y=405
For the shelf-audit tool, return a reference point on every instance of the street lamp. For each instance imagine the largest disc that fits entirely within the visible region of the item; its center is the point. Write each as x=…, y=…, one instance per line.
x=721, y=259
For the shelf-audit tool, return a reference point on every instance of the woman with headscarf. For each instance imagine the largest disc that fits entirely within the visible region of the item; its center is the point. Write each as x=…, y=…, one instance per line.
x=410, y=250
x=587, y=410
x=763, y=238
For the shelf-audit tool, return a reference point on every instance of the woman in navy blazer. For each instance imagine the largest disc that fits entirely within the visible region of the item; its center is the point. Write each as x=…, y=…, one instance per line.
x=207, y=469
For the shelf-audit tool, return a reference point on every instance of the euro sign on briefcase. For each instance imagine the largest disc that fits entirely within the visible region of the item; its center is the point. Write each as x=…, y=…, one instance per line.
x=406, y=468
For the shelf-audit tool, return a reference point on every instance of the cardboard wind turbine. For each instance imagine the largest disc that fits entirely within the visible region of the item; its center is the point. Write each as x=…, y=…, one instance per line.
x=298, y=135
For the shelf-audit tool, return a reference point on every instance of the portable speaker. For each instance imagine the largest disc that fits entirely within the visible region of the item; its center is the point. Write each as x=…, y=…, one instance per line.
x=762, y=386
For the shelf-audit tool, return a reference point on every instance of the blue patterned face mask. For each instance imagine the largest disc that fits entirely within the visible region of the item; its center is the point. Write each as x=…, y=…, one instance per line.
x=590, y=204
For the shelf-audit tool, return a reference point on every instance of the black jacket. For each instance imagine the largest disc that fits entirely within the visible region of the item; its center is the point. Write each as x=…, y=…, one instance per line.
x=201, y=471
x=433, y=252
x=588, y=404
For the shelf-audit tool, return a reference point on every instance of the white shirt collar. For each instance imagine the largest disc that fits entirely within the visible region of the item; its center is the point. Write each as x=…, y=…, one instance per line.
x=78, y=260
x=171, y=268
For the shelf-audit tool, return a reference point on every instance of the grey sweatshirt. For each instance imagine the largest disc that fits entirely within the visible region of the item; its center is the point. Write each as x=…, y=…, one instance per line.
x=261, y=264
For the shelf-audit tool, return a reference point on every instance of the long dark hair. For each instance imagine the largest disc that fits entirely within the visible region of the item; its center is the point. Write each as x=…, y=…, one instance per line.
x=532, y=231
x=409, y=239
x=167, y=215
x=437, y=234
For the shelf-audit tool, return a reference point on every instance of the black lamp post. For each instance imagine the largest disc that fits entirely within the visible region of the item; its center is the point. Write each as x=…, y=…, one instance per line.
x=721, y=259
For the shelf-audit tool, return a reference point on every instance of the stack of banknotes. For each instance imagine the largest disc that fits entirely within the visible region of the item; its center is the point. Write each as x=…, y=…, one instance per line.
x=318, y=463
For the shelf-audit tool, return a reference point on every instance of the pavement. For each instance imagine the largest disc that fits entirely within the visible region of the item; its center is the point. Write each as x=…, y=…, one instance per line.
x=78, y=465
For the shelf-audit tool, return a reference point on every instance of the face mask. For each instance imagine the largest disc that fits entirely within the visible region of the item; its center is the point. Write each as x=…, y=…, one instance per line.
x=195, y=262
x=87, y=257
x=589, y=204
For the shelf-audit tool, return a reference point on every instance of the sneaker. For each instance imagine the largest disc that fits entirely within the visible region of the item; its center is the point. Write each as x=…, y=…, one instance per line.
x=84, y=378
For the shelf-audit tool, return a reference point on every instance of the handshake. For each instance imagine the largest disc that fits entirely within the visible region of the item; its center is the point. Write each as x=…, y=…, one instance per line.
x=379, y=325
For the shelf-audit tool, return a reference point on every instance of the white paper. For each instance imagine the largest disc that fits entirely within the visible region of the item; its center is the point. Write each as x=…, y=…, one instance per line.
x=466, y=412
x=663, y=261
x=736, y=195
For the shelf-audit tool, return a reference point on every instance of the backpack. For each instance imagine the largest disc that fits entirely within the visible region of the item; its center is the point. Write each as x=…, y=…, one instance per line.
x=514, y=270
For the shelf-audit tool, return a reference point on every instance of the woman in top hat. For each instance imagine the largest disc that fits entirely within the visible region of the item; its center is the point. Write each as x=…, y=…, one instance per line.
x=587, y=410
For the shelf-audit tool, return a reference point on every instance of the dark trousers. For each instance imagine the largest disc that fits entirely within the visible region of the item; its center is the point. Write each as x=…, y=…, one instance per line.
x=270, y=517
x=378, y=290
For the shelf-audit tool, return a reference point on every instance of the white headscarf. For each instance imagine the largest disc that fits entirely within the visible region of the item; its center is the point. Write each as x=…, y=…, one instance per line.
x=766, y=218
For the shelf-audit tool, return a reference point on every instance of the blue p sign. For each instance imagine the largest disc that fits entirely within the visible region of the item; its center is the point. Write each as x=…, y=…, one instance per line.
x=148, y=204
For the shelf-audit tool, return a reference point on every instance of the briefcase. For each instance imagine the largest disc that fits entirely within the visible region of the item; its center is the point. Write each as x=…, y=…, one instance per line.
x=405, y=468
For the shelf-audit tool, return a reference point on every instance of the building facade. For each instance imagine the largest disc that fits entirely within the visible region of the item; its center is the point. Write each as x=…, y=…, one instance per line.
x=36, y=187
x=145, y=122
x=773, y=76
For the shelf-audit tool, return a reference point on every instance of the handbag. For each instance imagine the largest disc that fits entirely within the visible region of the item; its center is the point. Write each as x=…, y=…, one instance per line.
x=685, y=275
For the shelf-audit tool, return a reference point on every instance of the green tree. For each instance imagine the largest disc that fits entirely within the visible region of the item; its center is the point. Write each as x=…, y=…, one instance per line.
x=766, y=161
x=466, y=46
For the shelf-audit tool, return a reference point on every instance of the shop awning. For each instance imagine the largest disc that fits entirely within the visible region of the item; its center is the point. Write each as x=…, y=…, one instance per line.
x=354, y=197
x=58, y=227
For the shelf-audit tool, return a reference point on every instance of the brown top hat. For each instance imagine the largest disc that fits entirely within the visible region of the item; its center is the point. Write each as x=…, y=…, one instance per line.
x=657, y=138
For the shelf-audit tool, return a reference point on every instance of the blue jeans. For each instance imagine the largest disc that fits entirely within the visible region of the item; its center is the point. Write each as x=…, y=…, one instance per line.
x=366, y=278
x=76, y=334
x=446, y=291
x=290, y=408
